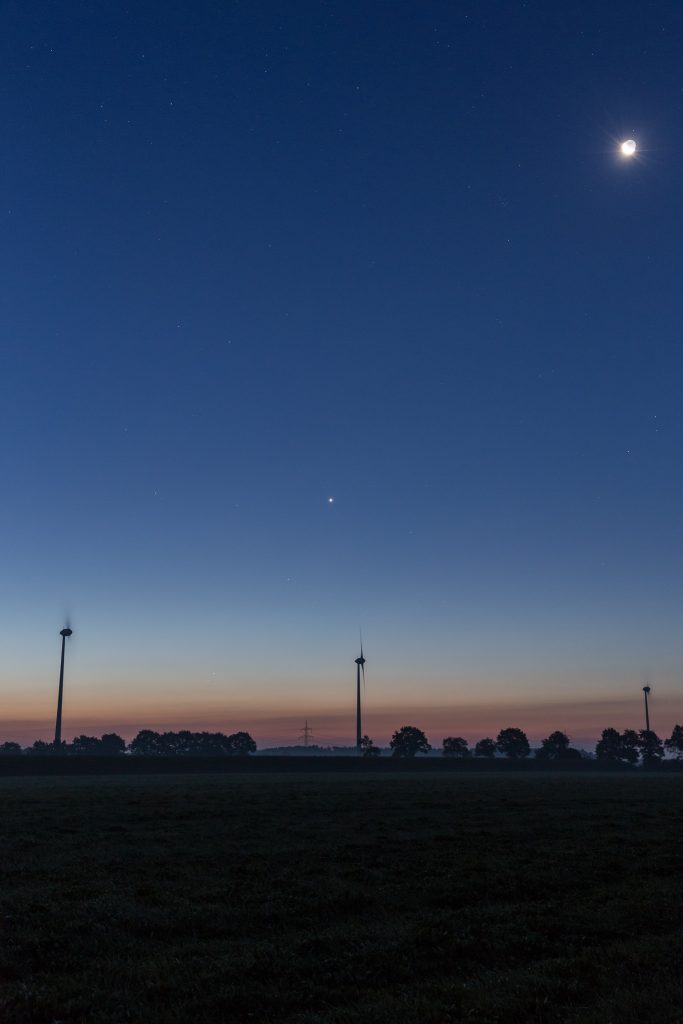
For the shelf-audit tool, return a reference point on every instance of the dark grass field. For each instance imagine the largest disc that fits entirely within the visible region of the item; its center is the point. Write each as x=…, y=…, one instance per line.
x=311, y=898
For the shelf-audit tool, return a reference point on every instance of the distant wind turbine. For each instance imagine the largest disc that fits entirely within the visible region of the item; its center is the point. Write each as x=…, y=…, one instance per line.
x=646, y=691
x=360, y=667
x=64, y=633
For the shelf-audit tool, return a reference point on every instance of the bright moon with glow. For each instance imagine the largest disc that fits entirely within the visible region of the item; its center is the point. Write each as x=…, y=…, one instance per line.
x=628, y=148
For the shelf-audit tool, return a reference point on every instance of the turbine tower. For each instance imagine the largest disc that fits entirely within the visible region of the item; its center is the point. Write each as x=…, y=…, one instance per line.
x=64, y=633
x=646, y=690
x=360, y=667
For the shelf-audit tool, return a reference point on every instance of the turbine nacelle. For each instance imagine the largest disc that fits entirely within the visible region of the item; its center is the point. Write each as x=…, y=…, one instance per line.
x=65, y=632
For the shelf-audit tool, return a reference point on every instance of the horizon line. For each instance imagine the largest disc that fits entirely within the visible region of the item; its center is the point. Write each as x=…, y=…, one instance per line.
x=583, y=720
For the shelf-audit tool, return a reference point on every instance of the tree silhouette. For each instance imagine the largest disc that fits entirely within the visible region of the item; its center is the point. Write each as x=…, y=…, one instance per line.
x=650, y=746
x=112, y=744
x=608, y=748
x=620, y=748
x=212, y=743
x=241, y=744
x=556, y=748
x=41, y=747
x=8, y=748
x=180, y=744
x=84, y=745
x=485, y=748
x=108, y=745
x=368, y=748
x=630, y=743
x=185, y=743
x=147, y=744
x=455, y=746
x=409, y=741
x=674, y=744
x=513, y=743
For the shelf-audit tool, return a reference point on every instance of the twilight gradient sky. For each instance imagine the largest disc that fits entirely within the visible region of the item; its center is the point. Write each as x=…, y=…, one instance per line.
x=259, y=254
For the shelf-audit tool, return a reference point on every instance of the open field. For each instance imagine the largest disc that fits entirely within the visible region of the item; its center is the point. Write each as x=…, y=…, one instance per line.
x=334, y=898
x=188, y=765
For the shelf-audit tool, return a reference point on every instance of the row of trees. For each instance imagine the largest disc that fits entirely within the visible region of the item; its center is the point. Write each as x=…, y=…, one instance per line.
x=186, y=743
x=627, y=747
x=147, y=743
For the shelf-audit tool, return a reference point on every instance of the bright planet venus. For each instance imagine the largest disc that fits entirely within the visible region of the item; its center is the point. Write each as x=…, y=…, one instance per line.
x=628, y=148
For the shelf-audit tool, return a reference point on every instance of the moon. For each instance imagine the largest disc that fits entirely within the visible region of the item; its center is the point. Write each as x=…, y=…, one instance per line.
x=628, y=148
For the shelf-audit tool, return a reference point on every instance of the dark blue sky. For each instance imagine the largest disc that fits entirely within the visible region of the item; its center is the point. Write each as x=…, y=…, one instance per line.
x=256, y=255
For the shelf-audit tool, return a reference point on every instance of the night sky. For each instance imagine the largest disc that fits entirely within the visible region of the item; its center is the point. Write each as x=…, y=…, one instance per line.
x=257, y=256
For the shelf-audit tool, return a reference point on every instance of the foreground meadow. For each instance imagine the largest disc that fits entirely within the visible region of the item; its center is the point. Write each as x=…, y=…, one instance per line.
x=322, y=898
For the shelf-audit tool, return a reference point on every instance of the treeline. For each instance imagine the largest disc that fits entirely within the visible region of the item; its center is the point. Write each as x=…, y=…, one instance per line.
x=628, y=747
x=146, y=744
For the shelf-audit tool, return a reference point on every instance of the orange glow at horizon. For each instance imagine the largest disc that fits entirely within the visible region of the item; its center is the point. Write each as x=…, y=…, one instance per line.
x=582, y=720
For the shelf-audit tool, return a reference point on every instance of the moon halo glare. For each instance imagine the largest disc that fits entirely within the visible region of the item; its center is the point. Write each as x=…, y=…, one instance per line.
x=628, y=148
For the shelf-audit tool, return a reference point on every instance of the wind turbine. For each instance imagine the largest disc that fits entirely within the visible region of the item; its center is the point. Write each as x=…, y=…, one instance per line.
x=646, y=690
x=64, y=633
x=360, y=667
